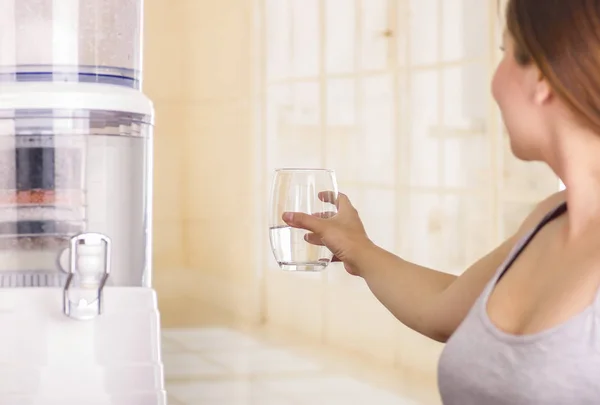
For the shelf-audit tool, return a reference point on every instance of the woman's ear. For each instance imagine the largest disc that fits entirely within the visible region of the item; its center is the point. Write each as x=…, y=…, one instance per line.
x=542, y=91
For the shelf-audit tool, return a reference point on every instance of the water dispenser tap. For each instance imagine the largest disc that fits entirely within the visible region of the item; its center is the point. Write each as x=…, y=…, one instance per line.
x=89, y=268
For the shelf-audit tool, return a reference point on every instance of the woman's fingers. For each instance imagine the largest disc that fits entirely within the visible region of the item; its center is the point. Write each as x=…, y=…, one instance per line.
x=324, y=215
x=303, y=221
x=328, y=197
x=313, y=239
x=338, y=199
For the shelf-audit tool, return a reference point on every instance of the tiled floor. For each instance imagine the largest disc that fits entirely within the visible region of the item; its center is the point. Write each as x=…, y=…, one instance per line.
x=221, y=366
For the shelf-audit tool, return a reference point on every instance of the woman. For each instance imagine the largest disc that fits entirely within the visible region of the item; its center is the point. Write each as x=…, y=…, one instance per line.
x=522, y=325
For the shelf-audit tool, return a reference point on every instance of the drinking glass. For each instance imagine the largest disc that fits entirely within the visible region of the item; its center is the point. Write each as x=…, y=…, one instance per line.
x=298, y=190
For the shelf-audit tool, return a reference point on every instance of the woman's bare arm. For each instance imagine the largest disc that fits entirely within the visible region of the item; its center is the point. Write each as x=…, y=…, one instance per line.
x=431, y=302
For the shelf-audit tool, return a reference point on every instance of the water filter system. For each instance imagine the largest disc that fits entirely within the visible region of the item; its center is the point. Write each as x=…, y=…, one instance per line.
x=79, y=317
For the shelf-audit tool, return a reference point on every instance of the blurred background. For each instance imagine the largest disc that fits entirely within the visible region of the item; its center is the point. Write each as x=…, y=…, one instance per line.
x=393, y=95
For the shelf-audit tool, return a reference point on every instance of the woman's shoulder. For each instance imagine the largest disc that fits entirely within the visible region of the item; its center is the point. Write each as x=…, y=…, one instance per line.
x=541, y=210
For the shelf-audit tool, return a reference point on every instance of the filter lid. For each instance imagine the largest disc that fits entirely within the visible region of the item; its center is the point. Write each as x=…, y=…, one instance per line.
x=73, y=96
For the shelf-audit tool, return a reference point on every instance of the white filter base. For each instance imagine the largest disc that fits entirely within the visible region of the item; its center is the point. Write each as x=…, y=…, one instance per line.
x=48, y=358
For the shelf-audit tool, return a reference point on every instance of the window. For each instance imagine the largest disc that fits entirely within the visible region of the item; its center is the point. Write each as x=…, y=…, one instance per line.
x=394, y=95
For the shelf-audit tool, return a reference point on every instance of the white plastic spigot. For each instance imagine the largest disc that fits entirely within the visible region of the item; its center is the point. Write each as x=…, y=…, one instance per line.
x=89, y=268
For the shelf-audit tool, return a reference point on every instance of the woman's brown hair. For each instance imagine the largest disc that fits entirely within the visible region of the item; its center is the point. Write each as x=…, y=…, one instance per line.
x=562, y=38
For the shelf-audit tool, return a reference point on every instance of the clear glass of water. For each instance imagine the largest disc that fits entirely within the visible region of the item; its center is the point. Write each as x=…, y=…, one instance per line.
x=300, y=190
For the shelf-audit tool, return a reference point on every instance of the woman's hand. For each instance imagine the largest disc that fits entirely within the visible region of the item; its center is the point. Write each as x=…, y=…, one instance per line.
x=343, y=232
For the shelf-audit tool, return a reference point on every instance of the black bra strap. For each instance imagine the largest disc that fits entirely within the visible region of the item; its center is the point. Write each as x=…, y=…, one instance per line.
x=552, y=215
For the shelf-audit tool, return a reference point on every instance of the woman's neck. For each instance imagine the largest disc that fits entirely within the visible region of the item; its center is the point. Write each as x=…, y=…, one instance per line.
x=577, y=163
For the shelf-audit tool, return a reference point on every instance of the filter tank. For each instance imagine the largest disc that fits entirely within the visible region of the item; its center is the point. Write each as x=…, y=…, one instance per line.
x=71, y=40
x=68, y=171
x=75, y=145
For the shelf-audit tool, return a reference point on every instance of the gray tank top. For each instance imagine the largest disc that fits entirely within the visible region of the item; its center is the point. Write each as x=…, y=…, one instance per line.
x=482, y=365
